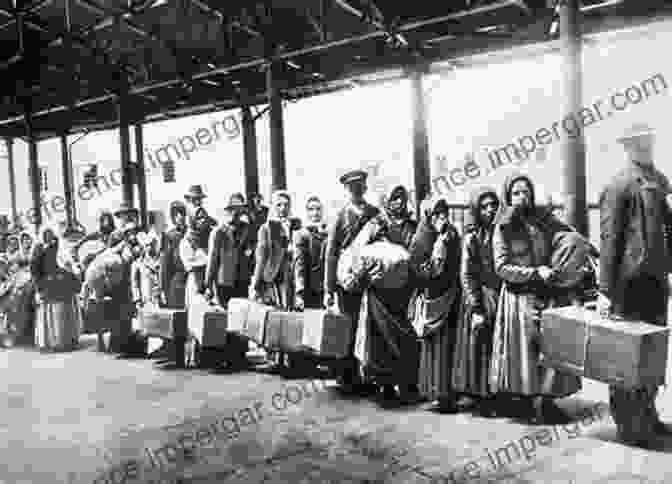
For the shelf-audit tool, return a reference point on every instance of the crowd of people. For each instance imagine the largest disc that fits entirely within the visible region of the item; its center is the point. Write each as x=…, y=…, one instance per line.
x=461, y=328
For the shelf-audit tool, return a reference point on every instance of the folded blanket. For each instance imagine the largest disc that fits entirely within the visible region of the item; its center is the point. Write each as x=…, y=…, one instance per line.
x=382, y=264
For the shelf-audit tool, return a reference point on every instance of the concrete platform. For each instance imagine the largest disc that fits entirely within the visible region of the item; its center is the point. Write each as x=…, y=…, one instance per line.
x=76, y=417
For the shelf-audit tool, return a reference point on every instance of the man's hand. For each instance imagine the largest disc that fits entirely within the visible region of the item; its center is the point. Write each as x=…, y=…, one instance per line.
x=328, y=300
x=477, y=321
x=299, y=303
x=603, y=305
x=545, y=273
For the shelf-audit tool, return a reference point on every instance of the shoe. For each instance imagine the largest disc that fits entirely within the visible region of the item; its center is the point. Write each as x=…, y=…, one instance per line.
x=661, y=429
x=411, y=395
x=447, y=405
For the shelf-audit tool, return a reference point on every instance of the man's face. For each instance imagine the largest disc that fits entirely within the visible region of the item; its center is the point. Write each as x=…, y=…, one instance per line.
x=356, y=189
x=640, y=148
x=196, y=202
x=314, y=210
x=396, y=204
x=282, y=207
x=521, y=195
x=487, y=208
x=12, y=245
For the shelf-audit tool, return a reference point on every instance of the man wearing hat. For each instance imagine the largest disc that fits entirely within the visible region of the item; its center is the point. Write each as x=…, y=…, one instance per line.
x=229, y=267
x=195, y=210
x=126, y=214
x=349, y=222
x=634, y=264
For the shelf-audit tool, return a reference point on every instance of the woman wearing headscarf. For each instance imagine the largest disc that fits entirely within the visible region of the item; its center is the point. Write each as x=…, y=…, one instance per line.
x=435, y=259
x=145, y=272
x=522, y=244
x=481, y=286
x=58, y=321
x=173, y=275
x=106, y=228
x=386, y=344
x=17, y=292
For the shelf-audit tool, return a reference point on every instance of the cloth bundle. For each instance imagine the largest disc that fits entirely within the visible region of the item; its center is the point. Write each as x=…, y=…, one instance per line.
x=571, y=260
x=104, y=273
x=382, y=264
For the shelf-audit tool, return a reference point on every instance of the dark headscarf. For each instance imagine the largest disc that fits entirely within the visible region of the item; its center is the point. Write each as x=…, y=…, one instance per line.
x=507, y=214
x=423, y=241
x=177, y=206
x=472, y=219
x=106, y=215
x=397, y=192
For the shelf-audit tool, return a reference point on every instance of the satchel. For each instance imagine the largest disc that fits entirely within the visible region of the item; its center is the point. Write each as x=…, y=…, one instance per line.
x=427, y=314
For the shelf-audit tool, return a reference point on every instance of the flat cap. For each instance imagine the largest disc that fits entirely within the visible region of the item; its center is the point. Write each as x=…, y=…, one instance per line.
x=353, y=176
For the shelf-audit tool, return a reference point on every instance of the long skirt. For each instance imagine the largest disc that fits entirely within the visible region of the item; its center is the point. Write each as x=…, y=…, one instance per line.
x=437, y=357
x=192, y=288
x=516, y=367
x=386, y=343
x=175, y=293
x=18, y=306
x=58, y=325
x=473, y=348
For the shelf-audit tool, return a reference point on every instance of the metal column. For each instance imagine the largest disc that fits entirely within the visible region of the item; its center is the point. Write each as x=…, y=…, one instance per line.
x=33, y=171
x=251, y=170
x=125, y=146
x=68, y=184
x=573, y=149
x=141, y=176
x=278, y=167
x=9, y=144
x=421, y=175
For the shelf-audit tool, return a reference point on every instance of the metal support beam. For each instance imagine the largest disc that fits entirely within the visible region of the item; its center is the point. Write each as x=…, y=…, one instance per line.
x=256, y=63
x=278, y=167
x=125, y=147
x=33, y=171
x=141, y=176
x=9, y=144
x=251, y=170
x=68, y=183
x=421, y=174
x=574, y=151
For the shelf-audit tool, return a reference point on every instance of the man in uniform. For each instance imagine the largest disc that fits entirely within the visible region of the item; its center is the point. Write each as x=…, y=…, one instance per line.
x=634, y=264
x=349, y=222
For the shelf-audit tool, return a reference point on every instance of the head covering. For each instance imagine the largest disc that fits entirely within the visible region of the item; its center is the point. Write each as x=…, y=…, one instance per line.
x=637, y=130
x=506, y=213
x=195, y=191
x=472, y=218
x=236, y=201
x=425, y=236
x=43, y=231
x=125, y=208
x=177, y=206
x=353, y=176
x=14, y=237
x=398, y=191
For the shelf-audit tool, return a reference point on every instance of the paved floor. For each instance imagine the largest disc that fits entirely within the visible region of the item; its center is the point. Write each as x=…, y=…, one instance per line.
x=84, y=417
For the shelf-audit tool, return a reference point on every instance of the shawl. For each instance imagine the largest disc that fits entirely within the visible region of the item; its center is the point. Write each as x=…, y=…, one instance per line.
x=472, y=219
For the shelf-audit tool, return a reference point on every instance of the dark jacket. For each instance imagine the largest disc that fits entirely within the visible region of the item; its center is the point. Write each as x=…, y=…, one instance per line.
x=309, y=250
x=230, y=256
x=171, y=263
x=633, y=216
x=340, y=235
x=273, y=254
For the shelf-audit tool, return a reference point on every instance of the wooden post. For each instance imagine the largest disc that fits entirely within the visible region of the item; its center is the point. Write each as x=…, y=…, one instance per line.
x=421, y=168
x=9, y=143
x=278, y=167
x=125, y=147
x=250, y=153
x=68, y=185
x=573, y=149
x=141, y=176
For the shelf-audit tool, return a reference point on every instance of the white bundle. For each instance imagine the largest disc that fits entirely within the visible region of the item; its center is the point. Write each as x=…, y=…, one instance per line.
x=383, y=264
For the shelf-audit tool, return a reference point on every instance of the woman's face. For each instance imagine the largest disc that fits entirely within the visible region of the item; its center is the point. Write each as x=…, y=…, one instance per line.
x=521, y=194
x=48, y=237
x=106, y=222
x=26, y=242
x=488, y=206
x=281, y=205
x=314, y=210
x=440, y=222
x=397, y=201
x=12, y=245
x=179, y=218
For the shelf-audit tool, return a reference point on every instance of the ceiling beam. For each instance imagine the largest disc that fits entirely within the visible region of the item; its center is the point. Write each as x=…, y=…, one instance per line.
x=221, y=16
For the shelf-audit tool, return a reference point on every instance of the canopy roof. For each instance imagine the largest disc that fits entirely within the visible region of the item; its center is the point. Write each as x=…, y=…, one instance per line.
x=70, y=60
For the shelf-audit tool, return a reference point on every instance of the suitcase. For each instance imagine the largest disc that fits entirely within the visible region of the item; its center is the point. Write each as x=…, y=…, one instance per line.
x=623, y=353
x=208, y=323
x=95, y=319
x=164, y=323
x=315, y=331
x=248, y=318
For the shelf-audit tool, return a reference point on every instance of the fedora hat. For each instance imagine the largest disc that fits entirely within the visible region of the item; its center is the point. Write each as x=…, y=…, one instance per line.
x=635, y=131
x=195, y=191
x=125, y=208
x=236, y=201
